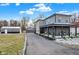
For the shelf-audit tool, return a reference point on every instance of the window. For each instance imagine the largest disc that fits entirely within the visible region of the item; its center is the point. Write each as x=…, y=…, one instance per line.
x=66, y=21
x=59, y=20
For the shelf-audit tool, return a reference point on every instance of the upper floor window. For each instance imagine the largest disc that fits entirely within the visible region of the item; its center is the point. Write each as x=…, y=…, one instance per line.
x=66, y=21
x=59, y=20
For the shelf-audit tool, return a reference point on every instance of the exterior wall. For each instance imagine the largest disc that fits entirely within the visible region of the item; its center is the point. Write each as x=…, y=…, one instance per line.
x=37, y=28
x=62, y=19
x=38, y=24
x=50, y=20
x=58, y=19
x=78, y=30
x=42, y=22
x=72, y=30
x=34, y=27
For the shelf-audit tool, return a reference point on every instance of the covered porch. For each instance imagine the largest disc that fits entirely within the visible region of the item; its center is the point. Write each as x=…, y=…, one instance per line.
x=55, y=30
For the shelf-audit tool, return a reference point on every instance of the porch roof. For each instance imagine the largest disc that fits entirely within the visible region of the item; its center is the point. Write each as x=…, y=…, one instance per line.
x=50, y=25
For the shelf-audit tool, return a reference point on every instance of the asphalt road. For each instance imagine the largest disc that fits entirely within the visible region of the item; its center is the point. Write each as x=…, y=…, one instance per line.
x=37, y=45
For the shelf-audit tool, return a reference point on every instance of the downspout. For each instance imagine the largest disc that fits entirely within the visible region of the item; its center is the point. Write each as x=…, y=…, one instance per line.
x=54, y=26
x=75, y=26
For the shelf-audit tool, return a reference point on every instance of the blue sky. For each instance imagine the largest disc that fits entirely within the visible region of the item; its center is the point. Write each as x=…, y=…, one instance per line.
x=32, y=10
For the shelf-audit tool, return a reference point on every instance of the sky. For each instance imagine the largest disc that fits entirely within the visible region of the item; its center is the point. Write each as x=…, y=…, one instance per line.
x=32, y=10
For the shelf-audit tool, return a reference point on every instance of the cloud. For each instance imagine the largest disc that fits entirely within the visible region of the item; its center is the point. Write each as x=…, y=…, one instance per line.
x=21, y=12
x=17, y=4
x=4, y=4
x=29, y=11
x=32, y=9
x=42, y=8
x=37, y=7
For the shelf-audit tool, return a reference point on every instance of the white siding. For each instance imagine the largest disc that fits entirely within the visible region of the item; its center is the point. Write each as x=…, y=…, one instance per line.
x=41, y=23
x=78, y=30
x=62, y=18
x=72, y=30
x=50, y=20
x=38, y=24
x=37, y=28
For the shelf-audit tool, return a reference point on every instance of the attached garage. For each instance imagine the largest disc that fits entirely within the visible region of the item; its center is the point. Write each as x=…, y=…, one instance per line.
x=10, y=30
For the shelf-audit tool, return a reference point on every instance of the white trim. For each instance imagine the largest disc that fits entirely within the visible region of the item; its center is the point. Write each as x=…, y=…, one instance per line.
x=9, y=27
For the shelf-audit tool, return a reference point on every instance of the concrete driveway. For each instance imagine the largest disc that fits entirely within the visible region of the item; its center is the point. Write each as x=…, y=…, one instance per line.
x=37, y=45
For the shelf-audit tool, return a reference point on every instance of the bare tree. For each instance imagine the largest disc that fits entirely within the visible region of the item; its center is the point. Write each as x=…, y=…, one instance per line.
x=5, y=23
x=24, y=22
x=13, y=23
x=1, y=24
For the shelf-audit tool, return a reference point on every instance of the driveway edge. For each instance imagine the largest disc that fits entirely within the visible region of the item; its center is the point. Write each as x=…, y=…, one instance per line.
x=25, y=46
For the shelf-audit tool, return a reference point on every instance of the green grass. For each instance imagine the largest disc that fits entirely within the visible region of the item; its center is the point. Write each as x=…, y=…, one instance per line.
x=11, y=44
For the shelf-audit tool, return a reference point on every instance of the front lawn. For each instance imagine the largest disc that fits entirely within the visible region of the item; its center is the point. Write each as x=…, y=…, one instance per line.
x=11, y=44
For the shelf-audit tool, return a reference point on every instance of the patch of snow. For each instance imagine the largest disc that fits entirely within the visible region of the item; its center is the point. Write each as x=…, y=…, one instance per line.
x=50, y=36
x=74, y=41
x=58, y=37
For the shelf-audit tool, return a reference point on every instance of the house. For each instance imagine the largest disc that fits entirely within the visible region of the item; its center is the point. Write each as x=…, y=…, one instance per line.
x=7, y=29
x=37, y=25
x=55, y=25
x=74, y=29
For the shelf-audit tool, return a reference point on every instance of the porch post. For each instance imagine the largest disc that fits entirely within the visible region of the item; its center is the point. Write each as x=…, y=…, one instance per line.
x=48, y=31
x=55, y=30
x=75, y=30
x=62, y=31
x=69, y=31
x=53, y=33
x=40, y=31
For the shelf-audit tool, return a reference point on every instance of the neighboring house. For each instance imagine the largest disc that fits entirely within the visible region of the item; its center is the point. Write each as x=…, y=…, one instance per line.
x=56, y=24
x=30, y=30
x=74, y=29
x=10, y=30
x=37, y=25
